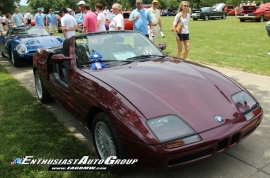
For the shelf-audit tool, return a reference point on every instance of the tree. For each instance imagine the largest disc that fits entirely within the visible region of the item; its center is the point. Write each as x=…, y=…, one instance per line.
x=53, y=4
x=8, y=6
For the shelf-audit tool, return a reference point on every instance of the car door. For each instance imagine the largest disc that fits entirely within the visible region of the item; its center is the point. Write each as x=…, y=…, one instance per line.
x=60, y=78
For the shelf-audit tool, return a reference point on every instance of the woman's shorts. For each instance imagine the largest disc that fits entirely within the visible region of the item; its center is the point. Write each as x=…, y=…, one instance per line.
x=3, y=23
x=183, y=37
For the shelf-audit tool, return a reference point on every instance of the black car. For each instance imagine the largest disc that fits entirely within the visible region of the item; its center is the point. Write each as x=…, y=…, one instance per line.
x=207, y=13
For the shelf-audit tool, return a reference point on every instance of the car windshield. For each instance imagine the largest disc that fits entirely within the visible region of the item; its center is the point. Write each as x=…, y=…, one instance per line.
x=37, y=31
x=115, y=48
x=29, y=31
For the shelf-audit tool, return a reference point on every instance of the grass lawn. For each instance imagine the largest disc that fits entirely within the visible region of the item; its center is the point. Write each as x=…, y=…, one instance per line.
x=226, y=43
x=28, y=129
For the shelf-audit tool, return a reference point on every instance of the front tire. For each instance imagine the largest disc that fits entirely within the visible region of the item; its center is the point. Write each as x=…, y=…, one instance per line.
x=242, y=20
x=43, y=95
x=107, y=141
x=206, y=17
x=195, y=18
x=3, y=54
x=223, y=16
x=15, y=61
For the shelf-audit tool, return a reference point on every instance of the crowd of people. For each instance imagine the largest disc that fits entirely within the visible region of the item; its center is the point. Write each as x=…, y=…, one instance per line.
x=146, y=21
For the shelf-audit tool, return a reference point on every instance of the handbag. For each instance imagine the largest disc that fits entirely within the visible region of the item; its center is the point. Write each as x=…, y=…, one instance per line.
x=179, y=26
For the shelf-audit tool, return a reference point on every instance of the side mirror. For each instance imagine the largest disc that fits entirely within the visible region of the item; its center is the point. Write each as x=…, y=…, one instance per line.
x=59, y=58
x=162, y=46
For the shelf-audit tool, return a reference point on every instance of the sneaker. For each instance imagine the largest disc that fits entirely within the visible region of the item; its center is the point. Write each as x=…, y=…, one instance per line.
x=268, y=53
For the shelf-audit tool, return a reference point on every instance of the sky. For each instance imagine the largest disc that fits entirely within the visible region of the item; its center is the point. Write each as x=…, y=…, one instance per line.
x=23, y=2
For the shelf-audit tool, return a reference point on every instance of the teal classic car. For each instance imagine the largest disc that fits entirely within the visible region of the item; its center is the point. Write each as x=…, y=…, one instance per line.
x=206, y=13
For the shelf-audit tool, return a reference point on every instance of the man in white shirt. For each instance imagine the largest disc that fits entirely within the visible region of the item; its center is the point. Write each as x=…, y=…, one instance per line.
x=4, y=22
x=68, y=23
x=106, y=11
x=28, y=17
x=155, y=16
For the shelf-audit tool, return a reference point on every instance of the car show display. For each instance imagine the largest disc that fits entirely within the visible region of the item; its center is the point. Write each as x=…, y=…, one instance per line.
x=132, y=96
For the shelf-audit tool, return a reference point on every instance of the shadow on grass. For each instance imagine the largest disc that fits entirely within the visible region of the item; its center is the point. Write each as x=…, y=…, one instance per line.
x=28, y=129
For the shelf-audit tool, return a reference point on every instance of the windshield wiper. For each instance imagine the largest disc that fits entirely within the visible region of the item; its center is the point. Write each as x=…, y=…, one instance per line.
x=90, y=62
x=146, y=56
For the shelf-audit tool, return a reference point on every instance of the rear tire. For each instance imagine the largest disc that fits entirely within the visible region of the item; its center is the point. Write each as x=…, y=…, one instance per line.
x=261, y=19
x=107, y=141
x=242, y=20
x=195, y=18
x=43, y=95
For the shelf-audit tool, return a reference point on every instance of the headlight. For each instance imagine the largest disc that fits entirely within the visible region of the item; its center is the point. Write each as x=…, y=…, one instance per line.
x=21, y=49
x=245, y=103
x=172, y=131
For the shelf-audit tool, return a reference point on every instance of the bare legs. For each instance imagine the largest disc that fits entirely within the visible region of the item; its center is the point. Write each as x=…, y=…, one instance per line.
x=179, y=48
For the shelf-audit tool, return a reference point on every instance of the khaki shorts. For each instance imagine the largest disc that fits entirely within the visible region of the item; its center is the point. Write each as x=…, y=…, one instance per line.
x=1, y=28
x=53, y=28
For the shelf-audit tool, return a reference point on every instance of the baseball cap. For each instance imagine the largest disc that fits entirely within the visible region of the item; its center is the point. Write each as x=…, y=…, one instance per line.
x=68, y=9
x=81, y=2
x=155, y=1
x=138, y=1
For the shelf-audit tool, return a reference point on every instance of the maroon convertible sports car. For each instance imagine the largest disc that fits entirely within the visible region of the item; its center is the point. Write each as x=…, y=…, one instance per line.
x=140, y=103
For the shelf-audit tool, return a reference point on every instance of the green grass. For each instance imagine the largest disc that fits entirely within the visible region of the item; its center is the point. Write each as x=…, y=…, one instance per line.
x=226, y=43
x=28, y=129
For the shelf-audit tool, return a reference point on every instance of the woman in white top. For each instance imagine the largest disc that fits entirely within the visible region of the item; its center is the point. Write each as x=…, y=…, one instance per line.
x=100, y=18
x=183, y=15
x=118, y=21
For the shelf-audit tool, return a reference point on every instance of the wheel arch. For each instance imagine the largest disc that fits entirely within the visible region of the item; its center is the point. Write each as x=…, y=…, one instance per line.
x=91, y=114
x=34, y=70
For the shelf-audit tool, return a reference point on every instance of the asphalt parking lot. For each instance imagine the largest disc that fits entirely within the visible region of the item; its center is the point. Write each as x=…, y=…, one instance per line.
x=250, y=158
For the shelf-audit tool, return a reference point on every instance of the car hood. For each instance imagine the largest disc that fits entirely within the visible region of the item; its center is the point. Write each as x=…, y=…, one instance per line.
x=42, y=41
x=219, y=7
x=194, y=93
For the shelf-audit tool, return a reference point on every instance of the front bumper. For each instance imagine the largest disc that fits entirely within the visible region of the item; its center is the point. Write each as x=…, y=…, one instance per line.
x=156, y=157
x=27, y=56
x=195, y=15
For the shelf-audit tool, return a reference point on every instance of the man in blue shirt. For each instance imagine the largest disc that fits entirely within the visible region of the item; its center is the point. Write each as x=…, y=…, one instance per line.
x=17, y=18
x=140, y=18
x=39, y=19
x=51, y=22
x=80, y=20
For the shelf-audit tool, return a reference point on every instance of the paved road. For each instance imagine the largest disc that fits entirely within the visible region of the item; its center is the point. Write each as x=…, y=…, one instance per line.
x=250, y=158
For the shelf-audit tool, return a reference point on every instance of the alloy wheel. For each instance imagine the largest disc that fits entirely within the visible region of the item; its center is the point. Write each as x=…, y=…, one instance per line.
x=104, y=140
x=12, y=57
x=38, y=86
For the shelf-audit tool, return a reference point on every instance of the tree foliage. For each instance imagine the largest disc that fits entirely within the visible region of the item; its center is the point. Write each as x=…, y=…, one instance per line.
x=8, y=6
